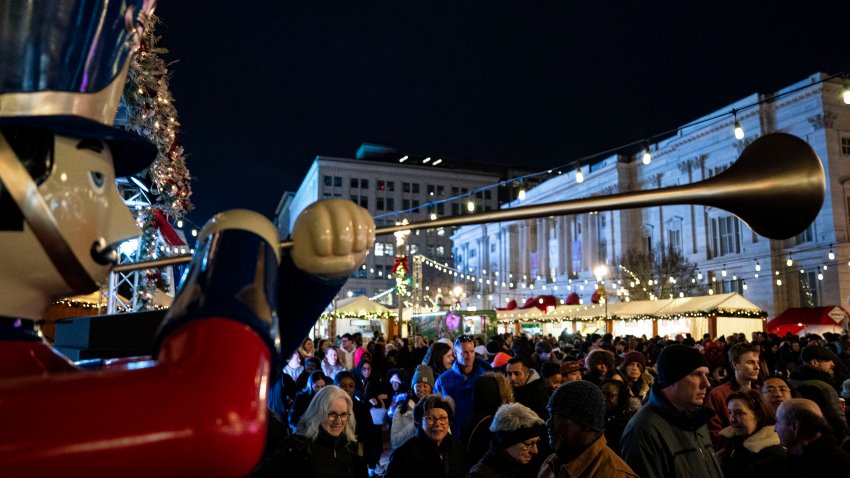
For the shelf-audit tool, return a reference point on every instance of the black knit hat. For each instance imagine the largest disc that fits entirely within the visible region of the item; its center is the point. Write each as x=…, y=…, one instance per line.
x=581, y=402
x=675, y=362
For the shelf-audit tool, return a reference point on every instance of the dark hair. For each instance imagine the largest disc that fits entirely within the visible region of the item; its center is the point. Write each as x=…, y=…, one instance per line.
x=462, y=339
x=521, y=360
x=765, y=416
x=343, y=375
x=430, y=402
x=739, y=349
x=434, y=357
x=622, y=395
x=314, y=377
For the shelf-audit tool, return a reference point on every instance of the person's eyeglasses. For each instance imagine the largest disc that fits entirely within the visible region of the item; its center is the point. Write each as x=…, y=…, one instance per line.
x=463, y=339
x=434, y=420
x=334, y=417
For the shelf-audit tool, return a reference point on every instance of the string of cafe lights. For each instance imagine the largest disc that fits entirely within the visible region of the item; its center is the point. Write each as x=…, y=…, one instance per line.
x=628, y=148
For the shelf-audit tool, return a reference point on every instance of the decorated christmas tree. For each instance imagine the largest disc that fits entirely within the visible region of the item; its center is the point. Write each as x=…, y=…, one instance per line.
x=151, y=113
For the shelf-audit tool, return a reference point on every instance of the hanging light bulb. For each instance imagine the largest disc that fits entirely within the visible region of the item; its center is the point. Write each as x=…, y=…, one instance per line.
x=758, y=266
x=699, y=275
x=470, y=206
x=779, y=282
x=789, y=262
x=647, y=156
x=831, y=254
x=744, y=286
x=521, y=194
x=579, y=175
x=846, y=93
x=723, y=271
x=820, y=276
x=739, y=131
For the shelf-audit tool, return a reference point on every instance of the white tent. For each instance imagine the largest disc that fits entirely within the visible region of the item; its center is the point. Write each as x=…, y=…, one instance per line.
x=732, y=313
x=359, y=307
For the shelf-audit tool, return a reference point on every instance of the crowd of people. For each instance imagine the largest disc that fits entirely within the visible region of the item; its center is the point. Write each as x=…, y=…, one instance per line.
x=567, y=406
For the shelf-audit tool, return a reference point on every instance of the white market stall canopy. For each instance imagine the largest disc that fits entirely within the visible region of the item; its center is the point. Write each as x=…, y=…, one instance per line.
x=359, y=307
x=734, y=314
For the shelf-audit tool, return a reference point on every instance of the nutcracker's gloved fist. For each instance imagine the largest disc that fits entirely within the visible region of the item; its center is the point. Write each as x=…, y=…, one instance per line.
x=332, y=237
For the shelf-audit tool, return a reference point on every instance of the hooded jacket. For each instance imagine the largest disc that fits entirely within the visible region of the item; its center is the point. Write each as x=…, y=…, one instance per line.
x=807, y=375
x=534, y=394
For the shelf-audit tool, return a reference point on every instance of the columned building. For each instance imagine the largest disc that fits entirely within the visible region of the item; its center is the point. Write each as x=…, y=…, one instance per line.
x=394, y=186
x=557, y=255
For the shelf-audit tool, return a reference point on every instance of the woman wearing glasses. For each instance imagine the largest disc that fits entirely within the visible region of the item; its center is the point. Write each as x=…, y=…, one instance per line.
x=324, y=443
x=432, y=452
x=516, y=433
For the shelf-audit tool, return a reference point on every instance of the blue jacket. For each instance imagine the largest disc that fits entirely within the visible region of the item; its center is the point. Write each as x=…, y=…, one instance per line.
x=455, y=384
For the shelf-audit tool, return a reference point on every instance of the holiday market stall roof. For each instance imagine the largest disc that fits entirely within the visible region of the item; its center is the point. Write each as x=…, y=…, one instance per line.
x=816, y=320
x=359, y=307
x=718, y=305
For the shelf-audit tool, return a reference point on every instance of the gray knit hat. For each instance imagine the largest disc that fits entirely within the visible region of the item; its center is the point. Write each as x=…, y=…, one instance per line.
x=581, y=402
x=423, y=374
x=514, y=423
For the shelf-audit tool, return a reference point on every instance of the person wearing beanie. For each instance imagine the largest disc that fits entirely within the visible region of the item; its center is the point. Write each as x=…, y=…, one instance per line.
x=433, y=452
x=668, y=437
x=576, y=433
x=516, y=433
x=403, y=426
x=639, y=381
x=744, y=360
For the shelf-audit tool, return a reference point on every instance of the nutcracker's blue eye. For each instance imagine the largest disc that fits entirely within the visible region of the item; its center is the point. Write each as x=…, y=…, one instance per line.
x=97, y=179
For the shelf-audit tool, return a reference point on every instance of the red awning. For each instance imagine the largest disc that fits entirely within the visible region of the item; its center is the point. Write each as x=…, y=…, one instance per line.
x=795, y=319
x=542, y=302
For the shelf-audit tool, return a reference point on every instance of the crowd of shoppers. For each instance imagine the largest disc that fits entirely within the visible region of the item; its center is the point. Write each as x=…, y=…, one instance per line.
x=632, y=406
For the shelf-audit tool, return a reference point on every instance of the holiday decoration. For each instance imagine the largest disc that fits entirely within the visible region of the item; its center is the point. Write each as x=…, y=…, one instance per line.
x=151, y=113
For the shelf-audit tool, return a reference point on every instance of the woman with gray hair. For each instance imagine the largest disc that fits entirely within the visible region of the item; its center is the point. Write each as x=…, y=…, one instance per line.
x=432, y=452
x=324, y=443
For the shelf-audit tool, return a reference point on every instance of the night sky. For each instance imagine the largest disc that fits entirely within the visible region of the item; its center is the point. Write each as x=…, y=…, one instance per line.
x=263, y=87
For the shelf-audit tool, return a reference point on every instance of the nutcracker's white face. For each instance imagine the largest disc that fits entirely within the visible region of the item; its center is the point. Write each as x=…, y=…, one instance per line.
x=76, y=180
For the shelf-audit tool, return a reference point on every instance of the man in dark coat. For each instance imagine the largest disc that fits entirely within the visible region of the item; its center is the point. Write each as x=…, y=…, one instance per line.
x=529, y=389
x=812, y=450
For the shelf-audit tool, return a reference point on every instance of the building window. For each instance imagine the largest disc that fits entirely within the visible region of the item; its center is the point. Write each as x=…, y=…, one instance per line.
x=405, y=204
x=412, y=249
x=725, y=233
x=390, y=185
x=431, y=189
x=440, y=251
x=337, y=182
x=415, y=204
x=809, y=291
x=845, y=146
x=405, y=187
x=328, y=181
x=364, y=184
x=455, y=190
x=380, y=184
x=390, y=204
x=441, y=209
x=440, y=190
x=415, y=188
x=364, y=202
x=455, y=209
x=488, y=194
x=355, y=183
x=360, y=273
x=806, y=236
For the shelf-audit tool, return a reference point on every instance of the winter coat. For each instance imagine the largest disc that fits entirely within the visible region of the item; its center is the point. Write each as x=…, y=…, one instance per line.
x=760, y=454
x=597, y=460
x=459, y=386
x=326, y=456
x=476, y=437
x=534, y=395
x=636, y=399
x=662, y=441
x=820, y=459
x=420, y=457
x=403, y=427
x=330, y=369
x=807, y=375
x=497, y=464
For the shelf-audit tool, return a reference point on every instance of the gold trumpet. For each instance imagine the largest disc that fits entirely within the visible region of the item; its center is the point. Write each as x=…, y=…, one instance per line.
x=776, y=186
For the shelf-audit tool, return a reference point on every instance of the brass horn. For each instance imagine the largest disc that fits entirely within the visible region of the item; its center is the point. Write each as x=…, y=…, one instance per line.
x=776, y=186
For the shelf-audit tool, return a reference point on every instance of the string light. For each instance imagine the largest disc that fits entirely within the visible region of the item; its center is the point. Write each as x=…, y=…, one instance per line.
x=846, y=93
x=579, y=175
x=521, y=194
x=831, y=254
x=789, y=262
x=739, y=131
x=647, y=156
x=758, y=266
x=470, y=206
